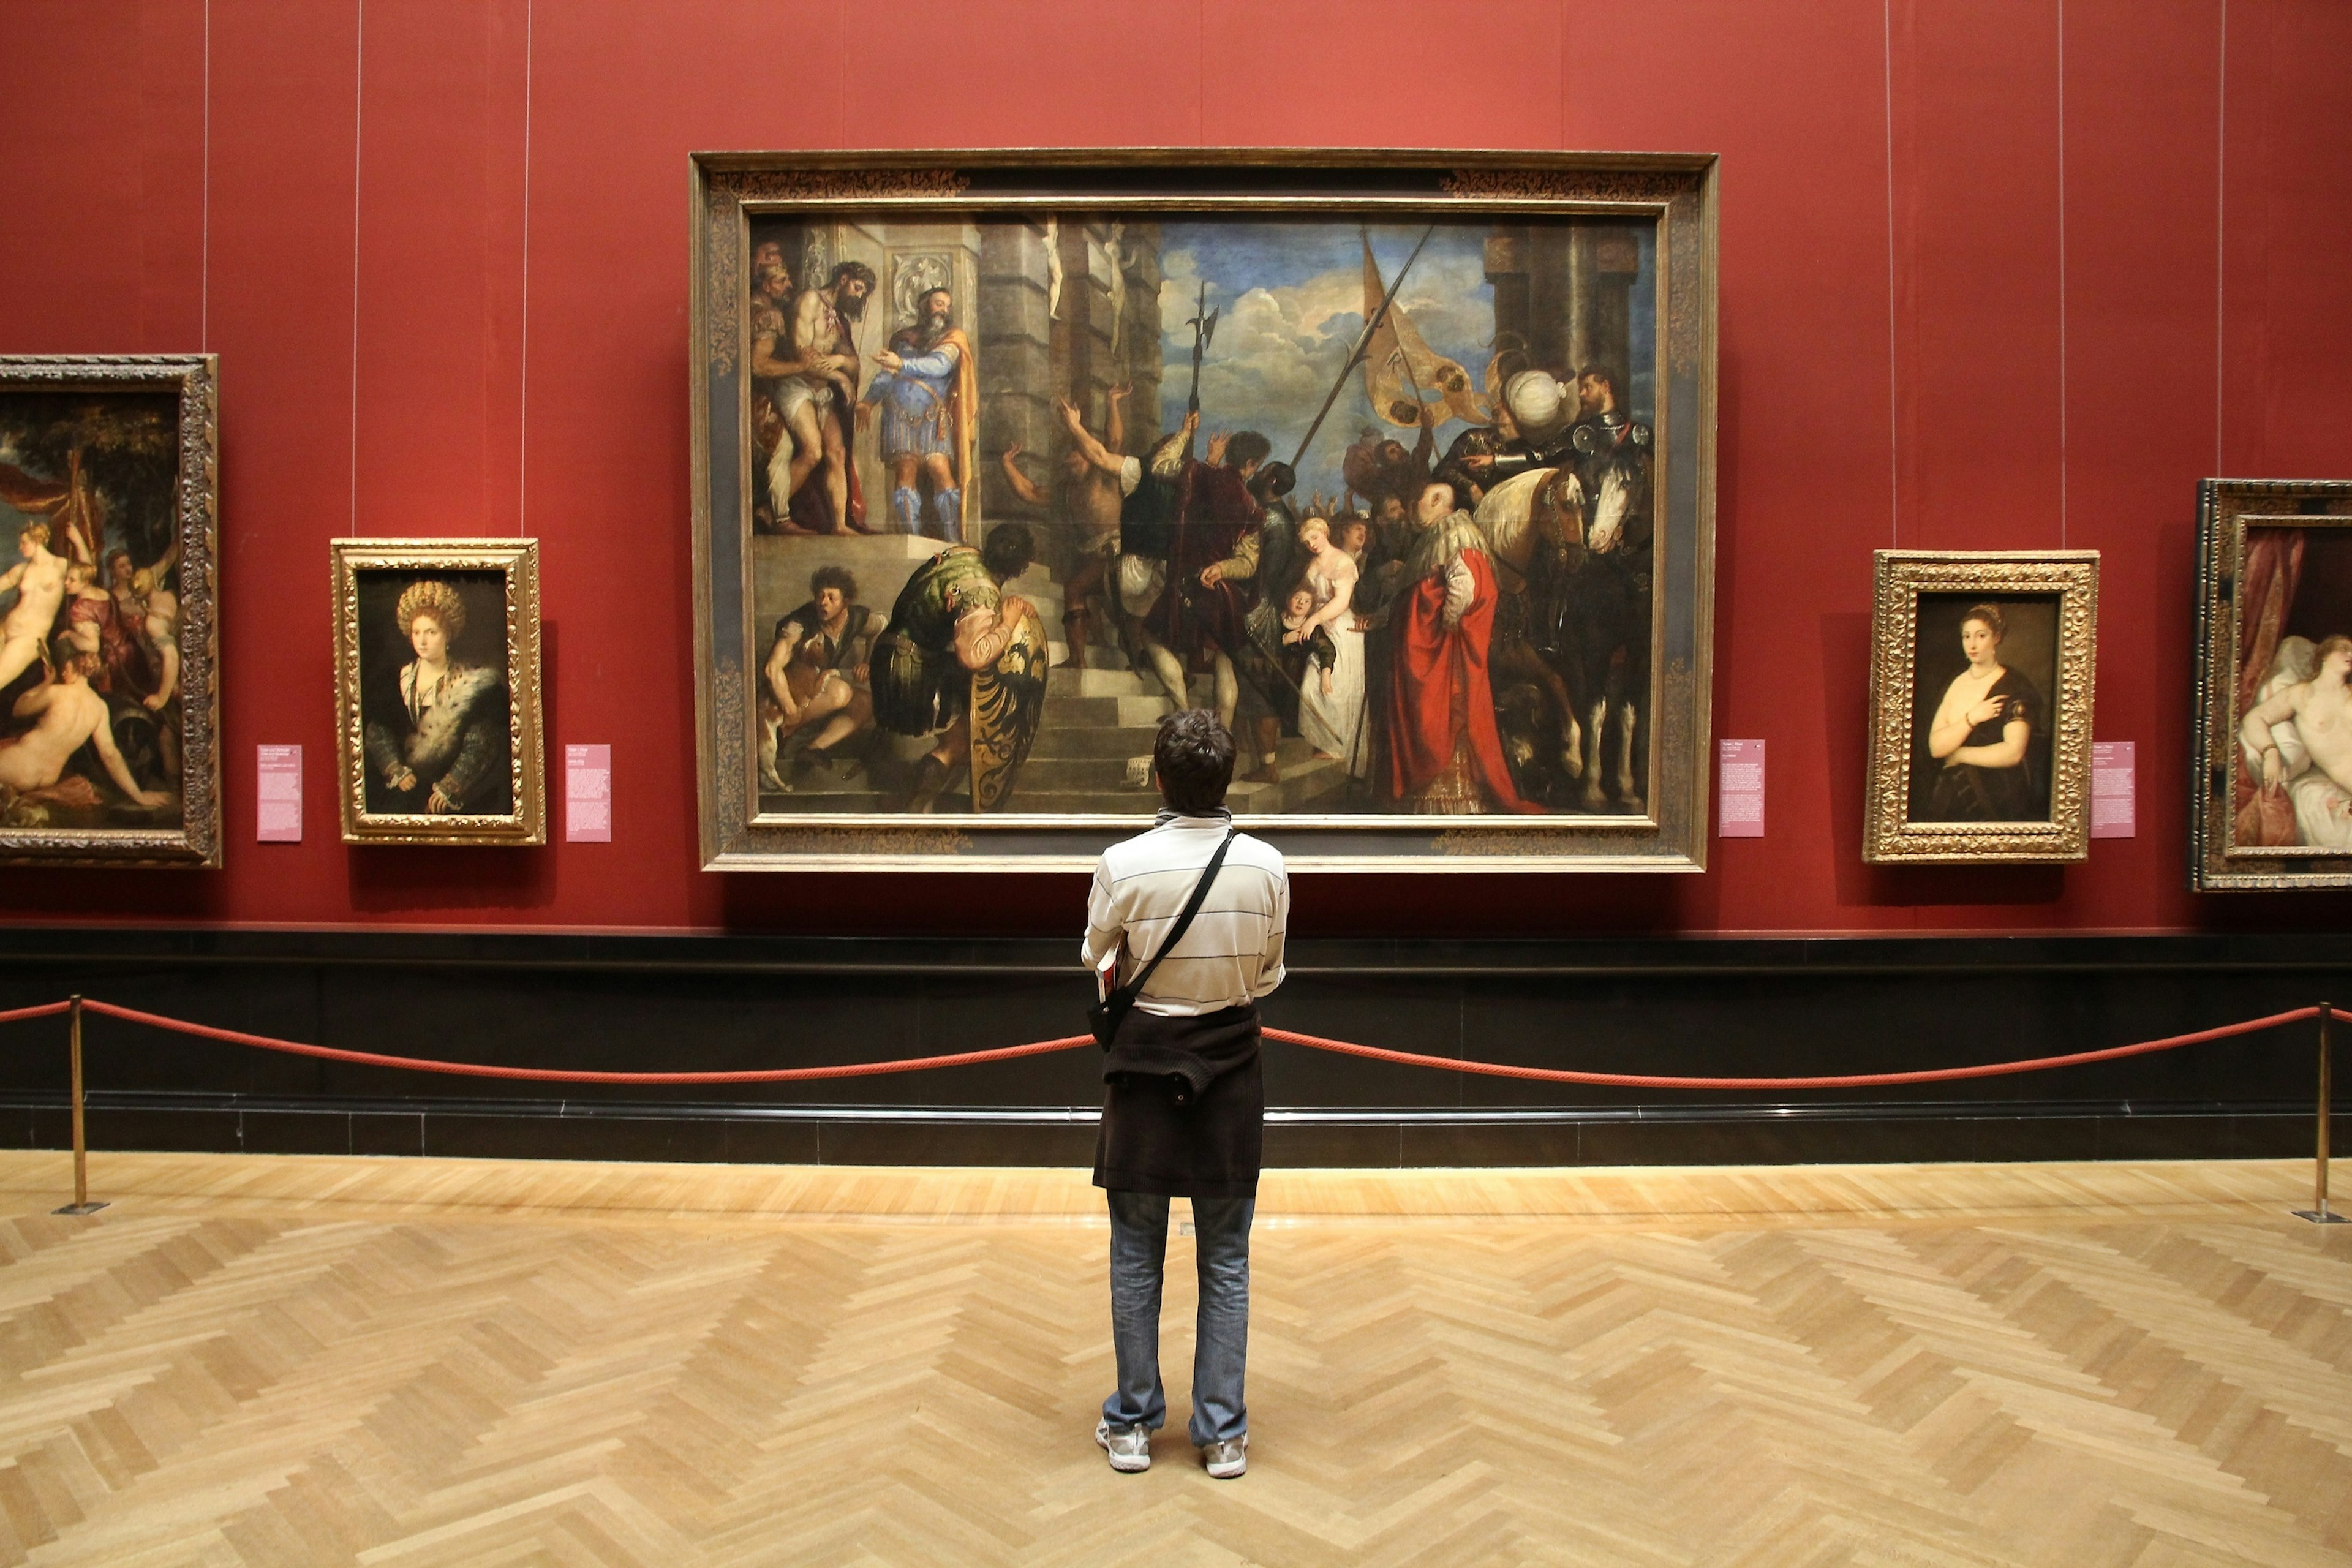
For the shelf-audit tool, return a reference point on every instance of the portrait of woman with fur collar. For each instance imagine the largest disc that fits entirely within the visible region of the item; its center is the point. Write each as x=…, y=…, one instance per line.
x=434, y=709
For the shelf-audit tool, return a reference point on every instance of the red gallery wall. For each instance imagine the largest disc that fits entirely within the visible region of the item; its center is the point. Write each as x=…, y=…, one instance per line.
x=2206, y=327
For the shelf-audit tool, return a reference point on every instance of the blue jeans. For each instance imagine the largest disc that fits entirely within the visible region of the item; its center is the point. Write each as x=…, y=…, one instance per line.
x=1139, y=1254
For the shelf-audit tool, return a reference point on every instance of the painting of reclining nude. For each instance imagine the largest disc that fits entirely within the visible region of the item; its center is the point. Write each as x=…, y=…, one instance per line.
x=2291, y=787
x=1381, y=491
x=106, y=700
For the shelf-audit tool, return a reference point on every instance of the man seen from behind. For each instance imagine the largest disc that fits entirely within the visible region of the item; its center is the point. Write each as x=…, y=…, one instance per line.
x=1184, y=1106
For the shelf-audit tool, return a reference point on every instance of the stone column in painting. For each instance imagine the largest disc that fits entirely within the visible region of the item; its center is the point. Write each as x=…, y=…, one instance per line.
x=1016, y=343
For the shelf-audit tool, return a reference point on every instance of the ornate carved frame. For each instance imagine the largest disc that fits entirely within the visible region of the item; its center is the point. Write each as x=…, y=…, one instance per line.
x=1675, y=190
x=1902, y=575
x=193, y=379
x=2226, y=509
x=518, y=559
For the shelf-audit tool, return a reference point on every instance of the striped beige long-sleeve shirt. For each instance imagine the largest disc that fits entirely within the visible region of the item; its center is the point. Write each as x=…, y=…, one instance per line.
x=1232, y=952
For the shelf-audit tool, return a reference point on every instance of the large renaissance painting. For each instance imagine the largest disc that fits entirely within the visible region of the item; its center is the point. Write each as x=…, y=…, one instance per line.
x=2273, y=805
x=108, y=709
x=1400, y=463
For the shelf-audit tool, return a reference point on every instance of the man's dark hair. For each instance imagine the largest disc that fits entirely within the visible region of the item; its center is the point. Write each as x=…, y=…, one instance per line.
x=1008, y=550
x=1194, y=756
x=1248, y=447
x=825, y=577
x=1273, y=481
x=851, y=309
x=1605, y=376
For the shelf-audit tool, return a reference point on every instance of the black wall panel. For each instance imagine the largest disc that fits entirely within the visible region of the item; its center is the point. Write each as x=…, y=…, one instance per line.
x=1707, y=1007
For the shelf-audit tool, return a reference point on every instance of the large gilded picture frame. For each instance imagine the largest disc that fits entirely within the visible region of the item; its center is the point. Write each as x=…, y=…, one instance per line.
x=437, y=695
x=1981, y=683
x=2271, y=792
x=109, y=639
x=1401, y=461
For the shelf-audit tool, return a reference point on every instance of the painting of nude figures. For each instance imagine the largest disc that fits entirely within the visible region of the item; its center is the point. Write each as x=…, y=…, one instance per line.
x=107, y=710
x=2276, y=699
x=1409, y=496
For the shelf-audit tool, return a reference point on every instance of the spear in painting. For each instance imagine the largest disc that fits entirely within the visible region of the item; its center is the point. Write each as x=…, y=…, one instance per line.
x=1363, y=346
x=1204, y=327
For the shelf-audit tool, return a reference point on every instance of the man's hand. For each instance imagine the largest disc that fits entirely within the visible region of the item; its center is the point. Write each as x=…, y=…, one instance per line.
x=1009, y=453
x=403, y=781
x=1121, y=393
x=1363, y=622
x=865, y=416
x=1212, y=575
x=1009, y=611
x=1070, y=414
x=1217, y=448
x=439, y=803
x=1187, y=429
x=865, y=674
x=889, y=360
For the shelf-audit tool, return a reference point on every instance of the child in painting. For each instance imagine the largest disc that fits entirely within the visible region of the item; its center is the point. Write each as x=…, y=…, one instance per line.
x=437, y=738
x=1316, y=650
x=1982, y=734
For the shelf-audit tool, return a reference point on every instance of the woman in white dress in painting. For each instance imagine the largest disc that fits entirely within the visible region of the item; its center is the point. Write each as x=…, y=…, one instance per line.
x=1333, y=724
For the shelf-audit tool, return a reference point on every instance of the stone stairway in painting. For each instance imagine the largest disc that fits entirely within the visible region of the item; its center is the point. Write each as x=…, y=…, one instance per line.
x=1093, y=754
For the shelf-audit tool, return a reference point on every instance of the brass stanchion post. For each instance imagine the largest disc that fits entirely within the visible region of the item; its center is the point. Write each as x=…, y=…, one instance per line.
x=2318, y=1214
x=81, y=1204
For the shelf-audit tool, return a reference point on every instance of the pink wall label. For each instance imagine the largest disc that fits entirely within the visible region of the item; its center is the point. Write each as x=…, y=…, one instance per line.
x=2114, y=792
x=1739, y=767
x=588, y=795
x=278, y=794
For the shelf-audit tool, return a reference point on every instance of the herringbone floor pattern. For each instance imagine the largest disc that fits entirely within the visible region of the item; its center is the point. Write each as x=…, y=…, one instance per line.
x=284, y=1361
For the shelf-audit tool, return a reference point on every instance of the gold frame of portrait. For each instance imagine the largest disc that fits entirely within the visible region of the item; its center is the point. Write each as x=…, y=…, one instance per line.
x=518, y=559
x=2226, y=510
x=1677, y=191
x=1899, y=577
x=197, y=842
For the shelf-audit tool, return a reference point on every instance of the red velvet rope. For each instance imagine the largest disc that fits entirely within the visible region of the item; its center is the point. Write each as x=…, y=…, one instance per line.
x=1041, y=1048
x=1838, y=1080
x=561, y=1075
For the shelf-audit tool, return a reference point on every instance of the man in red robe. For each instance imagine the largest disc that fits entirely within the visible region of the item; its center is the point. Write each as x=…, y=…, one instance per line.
x=1445, y=754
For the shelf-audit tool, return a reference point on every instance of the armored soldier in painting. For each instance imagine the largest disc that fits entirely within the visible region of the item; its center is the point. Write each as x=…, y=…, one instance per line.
x=929, y=400
x=952, y=621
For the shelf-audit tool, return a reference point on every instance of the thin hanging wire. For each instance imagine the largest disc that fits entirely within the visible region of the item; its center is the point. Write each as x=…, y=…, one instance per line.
x=1894, y=411
x=2221, y=234
x=522, y=414
x=359, y=97
x=2062, y=274
x=204, y=261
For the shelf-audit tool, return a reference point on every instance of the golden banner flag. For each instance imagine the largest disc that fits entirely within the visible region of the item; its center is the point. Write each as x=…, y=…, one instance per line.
x=1402, y=374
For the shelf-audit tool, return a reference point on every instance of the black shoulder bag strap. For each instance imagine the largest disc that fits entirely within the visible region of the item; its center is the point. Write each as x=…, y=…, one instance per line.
x=1108, y=1013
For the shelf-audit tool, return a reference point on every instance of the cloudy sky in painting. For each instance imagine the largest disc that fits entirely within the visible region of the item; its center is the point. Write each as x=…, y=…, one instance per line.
x=1290, y=296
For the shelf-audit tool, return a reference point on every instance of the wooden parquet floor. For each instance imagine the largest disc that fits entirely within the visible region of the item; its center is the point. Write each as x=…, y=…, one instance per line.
x=407, y=1363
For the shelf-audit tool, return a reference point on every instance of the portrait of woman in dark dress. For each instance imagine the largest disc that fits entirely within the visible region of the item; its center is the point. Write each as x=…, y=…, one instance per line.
x=1988, y=738
x=436, y=724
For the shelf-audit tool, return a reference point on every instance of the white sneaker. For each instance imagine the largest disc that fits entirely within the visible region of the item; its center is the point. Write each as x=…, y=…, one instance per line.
x=1129, y=1448
x=1227, y=1459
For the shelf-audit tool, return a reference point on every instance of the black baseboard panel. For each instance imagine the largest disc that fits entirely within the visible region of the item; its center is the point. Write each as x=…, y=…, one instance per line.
x=867, y=1135
x=1709, y=1007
